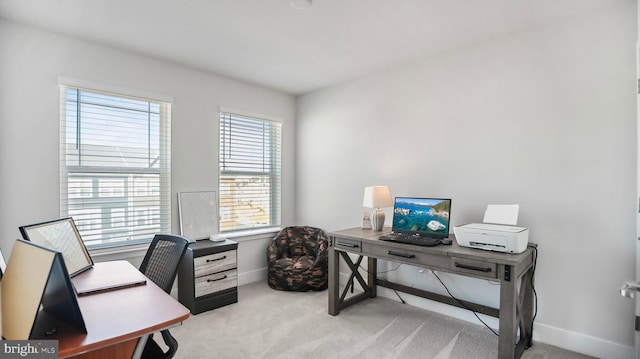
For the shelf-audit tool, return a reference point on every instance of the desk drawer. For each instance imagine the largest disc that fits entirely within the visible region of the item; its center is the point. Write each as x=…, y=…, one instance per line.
x=214, y=263
x=409, y=256
x=347, y=244
x=474, y=268
x=216, y=282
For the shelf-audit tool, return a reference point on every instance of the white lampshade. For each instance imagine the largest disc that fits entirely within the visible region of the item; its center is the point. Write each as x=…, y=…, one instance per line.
x=377, y=197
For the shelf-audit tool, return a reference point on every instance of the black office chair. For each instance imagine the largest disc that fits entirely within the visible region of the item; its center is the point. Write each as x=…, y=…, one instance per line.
x=160, y=265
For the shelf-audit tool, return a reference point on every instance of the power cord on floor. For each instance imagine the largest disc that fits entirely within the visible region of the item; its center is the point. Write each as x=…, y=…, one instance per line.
x=382, y=272
x=535, y=298
x=445, y=287
x=378, y=272
x=535, y=295
x=463, y=305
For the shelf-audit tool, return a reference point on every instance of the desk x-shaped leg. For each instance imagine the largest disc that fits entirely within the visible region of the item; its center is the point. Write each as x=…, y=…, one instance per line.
x=368, y=287
x=355, y=273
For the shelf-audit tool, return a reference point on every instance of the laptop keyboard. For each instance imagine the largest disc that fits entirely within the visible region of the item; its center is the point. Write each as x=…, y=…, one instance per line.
x=410, y=239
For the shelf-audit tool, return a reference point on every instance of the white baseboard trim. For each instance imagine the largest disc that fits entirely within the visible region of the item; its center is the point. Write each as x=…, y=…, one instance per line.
x=542, y=333
x=581, y=343
x=252, y=276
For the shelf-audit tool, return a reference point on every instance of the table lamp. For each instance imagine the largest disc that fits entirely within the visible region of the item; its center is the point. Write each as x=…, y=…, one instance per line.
x=376, y=197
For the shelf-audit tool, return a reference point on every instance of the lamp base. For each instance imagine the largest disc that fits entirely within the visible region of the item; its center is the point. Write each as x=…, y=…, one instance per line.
x=377, y=219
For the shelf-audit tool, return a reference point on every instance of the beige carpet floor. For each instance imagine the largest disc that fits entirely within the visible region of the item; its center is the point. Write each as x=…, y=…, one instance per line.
x=266, y=323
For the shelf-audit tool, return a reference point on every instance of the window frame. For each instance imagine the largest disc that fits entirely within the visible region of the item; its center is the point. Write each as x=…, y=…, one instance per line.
x=158, y=202
x=274, y=173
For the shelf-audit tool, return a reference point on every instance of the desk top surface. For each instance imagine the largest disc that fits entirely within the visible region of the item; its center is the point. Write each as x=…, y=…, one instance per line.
x=452, y=250
x=120, y=315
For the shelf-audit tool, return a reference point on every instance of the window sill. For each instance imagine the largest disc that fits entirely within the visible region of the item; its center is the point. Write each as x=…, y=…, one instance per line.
x=100, y=254
x=252, y=234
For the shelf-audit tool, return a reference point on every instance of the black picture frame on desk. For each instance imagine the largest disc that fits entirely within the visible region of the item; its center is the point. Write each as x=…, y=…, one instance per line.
x=61, y=235
x=3, y=265
x=38, y=299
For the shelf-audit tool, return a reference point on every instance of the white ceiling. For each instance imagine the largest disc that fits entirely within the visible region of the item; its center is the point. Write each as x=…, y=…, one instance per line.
x=269, y=42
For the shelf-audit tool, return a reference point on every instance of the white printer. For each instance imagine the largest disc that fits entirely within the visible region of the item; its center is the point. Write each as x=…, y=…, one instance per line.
x=497, y=233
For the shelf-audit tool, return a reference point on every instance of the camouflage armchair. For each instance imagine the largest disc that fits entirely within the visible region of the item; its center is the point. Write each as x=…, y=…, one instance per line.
x=298, y=259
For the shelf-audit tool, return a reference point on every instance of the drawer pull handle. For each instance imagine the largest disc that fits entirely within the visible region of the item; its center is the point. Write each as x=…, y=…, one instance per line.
x=404, y=255
x=479, y=269
x=216, y=259
x=345, y=244
x=215, y=280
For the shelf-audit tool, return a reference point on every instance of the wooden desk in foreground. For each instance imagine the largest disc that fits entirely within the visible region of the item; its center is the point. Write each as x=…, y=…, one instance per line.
x=116, y=320
x=514, y=272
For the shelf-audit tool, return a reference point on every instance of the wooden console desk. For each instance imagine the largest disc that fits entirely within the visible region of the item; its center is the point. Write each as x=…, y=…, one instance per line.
x=118, y=320
x=514, y=272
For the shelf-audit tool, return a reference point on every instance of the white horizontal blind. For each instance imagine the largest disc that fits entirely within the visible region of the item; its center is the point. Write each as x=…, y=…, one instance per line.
x=115, y=166
x=250, y=172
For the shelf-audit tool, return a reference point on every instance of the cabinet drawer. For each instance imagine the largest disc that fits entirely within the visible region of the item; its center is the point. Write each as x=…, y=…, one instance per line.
x=216, y=282
x=351, y=245
x=214, y=263
x=474, y=268
x=410, y=255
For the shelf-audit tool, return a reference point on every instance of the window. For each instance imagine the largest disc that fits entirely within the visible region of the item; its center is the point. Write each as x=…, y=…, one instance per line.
x=114, y=166
x=250, y=171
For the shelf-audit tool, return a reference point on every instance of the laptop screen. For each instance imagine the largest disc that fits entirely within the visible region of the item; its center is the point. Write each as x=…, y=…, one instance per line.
x=427, y=217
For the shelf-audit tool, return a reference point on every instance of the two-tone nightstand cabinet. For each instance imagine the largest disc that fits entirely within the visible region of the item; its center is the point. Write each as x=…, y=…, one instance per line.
x=208, y=277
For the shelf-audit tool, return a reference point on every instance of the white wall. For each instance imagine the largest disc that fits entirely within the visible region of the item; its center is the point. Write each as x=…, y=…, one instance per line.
x=30, y=63
x=544, y=118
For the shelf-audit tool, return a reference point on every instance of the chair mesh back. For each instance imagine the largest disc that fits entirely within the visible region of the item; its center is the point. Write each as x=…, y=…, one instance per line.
x=160, y=264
